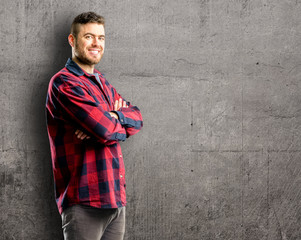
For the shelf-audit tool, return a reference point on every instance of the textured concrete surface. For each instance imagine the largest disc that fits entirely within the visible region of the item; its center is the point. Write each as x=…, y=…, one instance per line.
x=218, y=83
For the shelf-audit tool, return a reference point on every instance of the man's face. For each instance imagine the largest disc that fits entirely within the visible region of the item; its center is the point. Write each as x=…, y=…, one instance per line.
x=88, y=46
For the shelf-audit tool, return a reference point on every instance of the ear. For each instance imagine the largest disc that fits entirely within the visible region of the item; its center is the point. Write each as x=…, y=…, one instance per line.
x=71, y=40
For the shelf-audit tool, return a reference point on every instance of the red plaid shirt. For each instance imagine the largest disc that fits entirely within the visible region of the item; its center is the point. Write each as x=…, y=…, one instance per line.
x=91, y=171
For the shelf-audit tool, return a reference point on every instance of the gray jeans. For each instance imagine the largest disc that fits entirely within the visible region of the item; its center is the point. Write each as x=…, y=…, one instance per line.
x=87, y=223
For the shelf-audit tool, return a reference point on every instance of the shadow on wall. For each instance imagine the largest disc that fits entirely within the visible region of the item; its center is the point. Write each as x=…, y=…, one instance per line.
x=60, y=50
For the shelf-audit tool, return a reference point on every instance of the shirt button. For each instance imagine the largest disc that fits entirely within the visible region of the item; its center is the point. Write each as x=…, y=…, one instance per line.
x=121, y=176
x=121, y=120
x=120, y=156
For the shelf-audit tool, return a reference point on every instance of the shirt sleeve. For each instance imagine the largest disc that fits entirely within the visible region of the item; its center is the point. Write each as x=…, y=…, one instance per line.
x=74, y=99
x=130, y=117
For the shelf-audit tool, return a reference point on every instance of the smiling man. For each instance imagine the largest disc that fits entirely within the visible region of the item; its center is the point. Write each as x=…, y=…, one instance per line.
x=86, y=120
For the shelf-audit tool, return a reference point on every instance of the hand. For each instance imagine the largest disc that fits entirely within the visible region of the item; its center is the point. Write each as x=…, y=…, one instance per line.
x=81, y=135
x=114, y=115
x=119, y=104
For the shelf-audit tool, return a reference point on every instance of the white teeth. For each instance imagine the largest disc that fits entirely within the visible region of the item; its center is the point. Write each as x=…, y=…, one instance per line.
x=94, y=52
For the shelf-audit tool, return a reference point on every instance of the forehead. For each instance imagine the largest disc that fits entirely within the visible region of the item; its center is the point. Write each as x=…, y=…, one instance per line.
x=93, y=28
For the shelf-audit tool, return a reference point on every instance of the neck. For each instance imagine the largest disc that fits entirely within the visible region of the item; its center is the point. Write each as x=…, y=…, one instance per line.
x=85, y=67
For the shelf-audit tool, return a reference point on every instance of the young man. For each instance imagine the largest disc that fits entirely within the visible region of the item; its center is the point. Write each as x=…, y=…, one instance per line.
x=86, y=120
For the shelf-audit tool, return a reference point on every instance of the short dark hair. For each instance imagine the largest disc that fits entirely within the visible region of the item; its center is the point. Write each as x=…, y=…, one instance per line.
x=84, y=18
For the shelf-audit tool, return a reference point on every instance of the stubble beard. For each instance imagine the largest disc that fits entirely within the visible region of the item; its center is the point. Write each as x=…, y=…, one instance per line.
x=83, y=58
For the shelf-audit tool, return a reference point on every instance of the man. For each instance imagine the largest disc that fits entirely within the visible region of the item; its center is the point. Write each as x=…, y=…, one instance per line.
x=86, y=120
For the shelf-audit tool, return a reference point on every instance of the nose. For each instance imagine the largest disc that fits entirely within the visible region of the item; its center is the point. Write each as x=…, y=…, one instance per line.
x=96, y=42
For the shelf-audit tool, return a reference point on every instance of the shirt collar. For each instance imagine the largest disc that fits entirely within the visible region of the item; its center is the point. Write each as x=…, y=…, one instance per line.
x=74, y=68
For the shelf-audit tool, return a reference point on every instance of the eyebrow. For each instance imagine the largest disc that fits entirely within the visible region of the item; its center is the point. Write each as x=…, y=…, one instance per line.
x=93, y=34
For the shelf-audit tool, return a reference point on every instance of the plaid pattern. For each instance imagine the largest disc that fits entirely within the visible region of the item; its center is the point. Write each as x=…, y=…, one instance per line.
x=91, y=171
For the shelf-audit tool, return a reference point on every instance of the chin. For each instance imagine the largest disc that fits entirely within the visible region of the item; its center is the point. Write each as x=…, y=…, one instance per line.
x=94, y=60
x=90, y=61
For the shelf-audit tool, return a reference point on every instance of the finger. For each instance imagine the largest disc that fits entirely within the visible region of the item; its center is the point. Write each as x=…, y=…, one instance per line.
x=83, y=136
x=124, y=104
x=120, y=103
x=88, y=137
x=77, y=132
x=113, y=115
x=116, y=105
x=80, y=134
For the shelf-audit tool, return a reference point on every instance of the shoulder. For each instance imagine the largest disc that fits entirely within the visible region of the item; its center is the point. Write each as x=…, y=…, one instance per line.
x=64, y=77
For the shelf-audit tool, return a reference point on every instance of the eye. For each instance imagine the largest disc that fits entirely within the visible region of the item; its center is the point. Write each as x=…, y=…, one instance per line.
x=101, y=38
x=88, y=37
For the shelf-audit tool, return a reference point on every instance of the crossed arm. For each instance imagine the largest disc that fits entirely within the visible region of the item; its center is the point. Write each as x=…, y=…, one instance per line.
x=71, y=99
x=117, y=105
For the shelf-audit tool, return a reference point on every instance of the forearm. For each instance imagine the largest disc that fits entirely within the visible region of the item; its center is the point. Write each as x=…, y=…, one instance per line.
x=129, y=116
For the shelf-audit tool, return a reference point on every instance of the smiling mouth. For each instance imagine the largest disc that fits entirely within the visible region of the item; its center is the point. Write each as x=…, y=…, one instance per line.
x=94, y=52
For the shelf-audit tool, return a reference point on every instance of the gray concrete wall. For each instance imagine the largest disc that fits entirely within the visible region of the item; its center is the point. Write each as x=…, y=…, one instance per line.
x=218, y=83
